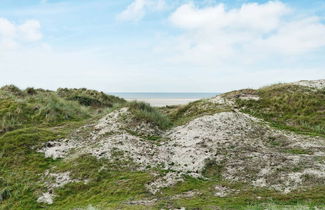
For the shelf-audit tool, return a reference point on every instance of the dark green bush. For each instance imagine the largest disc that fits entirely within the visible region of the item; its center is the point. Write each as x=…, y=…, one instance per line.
x=31, y=91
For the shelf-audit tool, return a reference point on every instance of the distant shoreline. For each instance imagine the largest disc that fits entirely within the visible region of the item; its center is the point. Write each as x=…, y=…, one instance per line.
x=160, y=102
x=159, y=99
x=164, y=95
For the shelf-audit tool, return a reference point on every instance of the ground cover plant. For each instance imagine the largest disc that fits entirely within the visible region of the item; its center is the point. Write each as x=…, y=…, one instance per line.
x=32, y=118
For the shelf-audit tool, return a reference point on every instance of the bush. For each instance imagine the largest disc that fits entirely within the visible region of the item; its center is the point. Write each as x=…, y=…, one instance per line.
x=31, y=91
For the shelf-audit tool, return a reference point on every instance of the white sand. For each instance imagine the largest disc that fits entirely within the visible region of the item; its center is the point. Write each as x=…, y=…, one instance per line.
x=159, y=102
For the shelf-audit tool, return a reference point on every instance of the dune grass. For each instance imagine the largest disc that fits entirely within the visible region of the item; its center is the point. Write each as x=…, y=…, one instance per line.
x=291, y=107
x=247, y=197
x=46, y=109
x=89, y=97
x=31, y=117
x=31, y=107
x=145, y=112
x=180, y=115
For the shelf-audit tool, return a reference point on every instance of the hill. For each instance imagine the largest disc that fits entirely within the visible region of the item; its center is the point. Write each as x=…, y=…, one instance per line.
x=83, y=149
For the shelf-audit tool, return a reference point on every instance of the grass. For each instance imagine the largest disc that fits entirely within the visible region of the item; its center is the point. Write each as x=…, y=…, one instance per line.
x=144, y=112
x=21, y=166
x=291, y=107
x=89, y=97
x=44, y=108
x=31, y=107
x=31, y=117
x=247, y=198
x=181, y=115
x=111, y=183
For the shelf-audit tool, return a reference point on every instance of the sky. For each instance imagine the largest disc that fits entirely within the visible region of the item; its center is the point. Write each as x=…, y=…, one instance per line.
x=160, y=45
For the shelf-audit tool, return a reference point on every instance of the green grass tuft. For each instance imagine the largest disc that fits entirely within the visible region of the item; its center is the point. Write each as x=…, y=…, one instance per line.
x=147, y=113
x=180, y=115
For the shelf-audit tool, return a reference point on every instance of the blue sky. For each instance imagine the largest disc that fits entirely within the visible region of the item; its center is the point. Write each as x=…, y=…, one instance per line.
x=160, y=45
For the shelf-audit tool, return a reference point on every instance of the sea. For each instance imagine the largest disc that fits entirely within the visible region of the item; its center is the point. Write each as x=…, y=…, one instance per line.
x=164, y=98
x=144, y=95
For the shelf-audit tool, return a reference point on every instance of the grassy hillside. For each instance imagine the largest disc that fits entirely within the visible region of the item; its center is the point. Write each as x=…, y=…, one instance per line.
x=30, y=107
x=31, y=118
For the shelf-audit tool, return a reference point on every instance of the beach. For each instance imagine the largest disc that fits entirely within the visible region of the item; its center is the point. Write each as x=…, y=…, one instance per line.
x=164, y=98
x=161, y=102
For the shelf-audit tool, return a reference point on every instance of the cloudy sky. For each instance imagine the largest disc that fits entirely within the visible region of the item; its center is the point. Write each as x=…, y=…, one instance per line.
x=160, y=45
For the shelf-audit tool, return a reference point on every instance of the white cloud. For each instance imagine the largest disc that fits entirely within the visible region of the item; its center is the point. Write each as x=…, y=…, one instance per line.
x=13, y=35
x=30, y=30
x=253, y=31
x=138, y=8
x=253, y=16
x=295, y=37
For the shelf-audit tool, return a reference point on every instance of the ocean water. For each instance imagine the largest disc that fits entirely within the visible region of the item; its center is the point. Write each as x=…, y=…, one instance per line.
x=160, y=95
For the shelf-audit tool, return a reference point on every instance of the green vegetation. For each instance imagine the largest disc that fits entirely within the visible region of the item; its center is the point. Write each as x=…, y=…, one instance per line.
x=292, y=107
x=240, y=196
x=143, y=111
x=89, y=97
x=110, y=183
x=21, y=109
x=29, y=118
x=21, y=166
x=180, y=115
